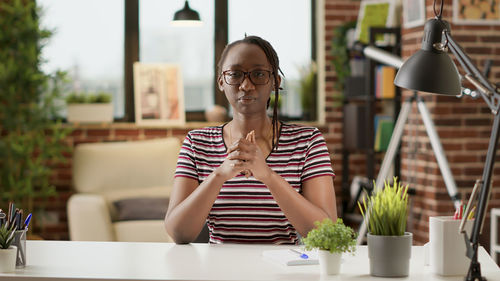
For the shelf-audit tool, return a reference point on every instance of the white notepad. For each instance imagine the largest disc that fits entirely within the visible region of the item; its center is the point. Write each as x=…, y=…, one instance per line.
x=289, y=257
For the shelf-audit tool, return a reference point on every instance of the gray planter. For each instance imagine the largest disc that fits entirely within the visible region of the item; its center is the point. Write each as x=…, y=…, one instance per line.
x=390, y=255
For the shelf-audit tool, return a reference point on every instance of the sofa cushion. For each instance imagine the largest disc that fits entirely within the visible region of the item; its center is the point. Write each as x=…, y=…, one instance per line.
x=141, y=208
x=119, y=194
x=141, y=231
x=102, y=167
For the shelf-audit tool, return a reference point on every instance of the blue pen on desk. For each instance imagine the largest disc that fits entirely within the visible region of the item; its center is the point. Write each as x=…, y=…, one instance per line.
x=27, y=221
x=301, y=255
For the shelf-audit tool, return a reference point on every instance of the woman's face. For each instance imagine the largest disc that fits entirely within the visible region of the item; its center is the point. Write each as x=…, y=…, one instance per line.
x=246, y=97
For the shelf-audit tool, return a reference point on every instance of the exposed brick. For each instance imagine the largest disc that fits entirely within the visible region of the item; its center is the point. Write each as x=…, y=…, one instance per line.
x=98, y=132
x=125, y=132
x=75, y=133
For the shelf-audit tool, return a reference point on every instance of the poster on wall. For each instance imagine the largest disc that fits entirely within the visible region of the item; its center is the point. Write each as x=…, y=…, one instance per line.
x=375, y=13
x=158, y=94
x=413, y=13
x=476, y=12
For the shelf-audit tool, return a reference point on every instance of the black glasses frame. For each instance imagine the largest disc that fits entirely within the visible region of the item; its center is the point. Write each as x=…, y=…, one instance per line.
x=247, y=74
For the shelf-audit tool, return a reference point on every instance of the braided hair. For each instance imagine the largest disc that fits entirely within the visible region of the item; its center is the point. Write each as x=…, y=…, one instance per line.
x=273, y=59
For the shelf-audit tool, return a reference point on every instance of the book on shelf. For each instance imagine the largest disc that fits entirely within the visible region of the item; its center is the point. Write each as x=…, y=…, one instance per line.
x=384, y=125
x=384, y=82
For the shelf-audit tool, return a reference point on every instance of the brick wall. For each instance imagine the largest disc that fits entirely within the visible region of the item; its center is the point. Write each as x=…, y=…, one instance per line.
x=462, y=124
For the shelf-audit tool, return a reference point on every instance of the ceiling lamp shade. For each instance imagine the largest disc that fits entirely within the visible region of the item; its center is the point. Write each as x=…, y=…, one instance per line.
x=430, y=69
x=186, y=16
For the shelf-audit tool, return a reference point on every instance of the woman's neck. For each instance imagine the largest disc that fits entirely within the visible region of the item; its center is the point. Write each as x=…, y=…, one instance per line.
x=240, y=127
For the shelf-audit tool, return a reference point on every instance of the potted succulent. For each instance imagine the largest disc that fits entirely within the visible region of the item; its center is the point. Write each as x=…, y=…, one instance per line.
x=389, y=246
x=8, y=252
x=89, y=108
x=331, y=239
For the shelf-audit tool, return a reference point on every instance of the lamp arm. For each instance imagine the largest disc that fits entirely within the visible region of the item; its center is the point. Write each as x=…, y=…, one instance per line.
x=488, y=91
x=466, y=63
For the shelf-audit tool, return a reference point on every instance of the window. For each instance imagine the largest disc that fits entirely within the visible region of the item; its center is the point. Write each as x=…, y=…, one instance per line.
x=287, y=26
x=88, y=44
x=190, y=47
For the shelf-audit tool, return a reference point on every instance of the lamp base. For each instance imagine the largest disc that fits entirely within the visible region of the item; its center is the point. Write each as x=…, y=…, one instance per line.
x=474, y=273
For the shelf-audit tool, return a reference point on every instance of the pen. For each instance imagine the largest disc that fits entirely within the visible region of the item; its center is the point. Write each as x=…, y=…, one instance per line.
x=301, y=255
x=2, y=217
x=9, y=212
x=27, y=221
x=471, y=214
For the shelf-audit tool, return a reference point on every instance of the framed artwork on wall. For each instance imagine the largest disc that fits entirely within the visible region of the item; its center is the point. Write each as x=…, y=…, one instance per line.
x=413, y=13
x=375, y=13
x=158, y=94
x=476, y=12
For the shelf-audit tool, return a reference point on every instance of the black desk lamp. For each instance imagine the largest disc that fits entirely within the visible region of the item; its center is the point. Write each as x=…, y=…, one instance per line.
x=432, y=70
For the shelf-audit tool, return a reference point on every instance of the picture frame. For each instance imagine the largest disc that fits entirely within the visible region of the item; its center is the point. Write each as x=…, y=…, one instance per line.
x=482, y=12
x=375, y=13
x=414, y=13
x=158, y=94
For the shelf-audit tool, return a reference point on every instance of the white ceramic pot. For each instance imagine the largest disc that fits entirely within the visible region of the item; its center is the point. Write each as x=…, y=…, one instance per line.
x=329, y=263
x=8, y=259
x=90, y=113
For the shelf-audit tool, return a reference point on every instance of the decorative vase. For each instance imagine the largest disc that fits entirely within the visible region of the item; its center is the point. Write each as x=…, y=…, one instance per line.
x=329, y=263
x=389, y=255
x=216, y=113
x=8, y=259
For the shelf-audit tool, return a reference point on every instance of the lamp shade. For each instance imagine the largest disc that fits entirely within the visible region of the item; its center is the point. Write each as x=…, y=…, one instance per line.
x=186, y=15
x=430, y=69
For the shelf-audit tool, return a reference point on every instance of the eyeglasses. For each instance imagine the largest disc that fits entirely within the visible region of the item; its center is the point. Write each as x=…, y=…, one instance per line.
x=236, y=77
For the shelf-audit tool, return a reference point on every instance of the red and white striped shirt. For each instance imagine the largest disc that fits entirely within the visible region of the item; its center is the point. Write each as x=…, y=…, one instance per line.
x=245, y=211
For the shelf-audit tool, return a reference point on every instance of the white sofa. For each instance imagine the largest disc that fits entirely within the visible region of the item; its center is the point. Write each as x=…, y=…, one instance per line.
x=109, y=176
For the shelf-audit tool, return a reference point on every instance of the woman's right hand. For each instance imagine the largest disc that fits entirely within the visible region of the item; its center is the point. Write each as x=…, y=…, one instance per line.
x=233, y=165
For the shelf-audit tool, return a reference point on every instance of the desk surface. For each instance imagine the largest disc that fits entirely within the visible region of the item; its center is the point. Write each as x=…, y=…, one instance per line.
x=70, y=260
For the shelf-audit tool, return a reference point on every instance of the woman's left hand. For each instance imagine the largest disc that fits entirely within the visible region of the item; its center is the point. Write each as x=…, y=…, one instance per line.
x=251, y=156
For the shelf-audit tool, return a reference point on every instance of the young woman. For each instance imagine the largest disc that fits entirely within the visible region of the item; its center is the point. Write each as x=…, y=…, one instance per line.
x=253, y=179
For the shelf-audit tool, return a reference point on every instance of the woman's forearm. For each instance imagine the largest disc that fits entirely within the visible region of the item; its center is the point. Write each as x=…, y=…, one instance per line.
x=300, y=212
x=185, y=220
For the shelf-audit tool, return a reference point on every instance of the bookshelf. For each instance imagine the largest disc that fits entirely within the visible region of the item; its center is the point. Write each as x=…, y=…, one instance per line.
x=369, y=104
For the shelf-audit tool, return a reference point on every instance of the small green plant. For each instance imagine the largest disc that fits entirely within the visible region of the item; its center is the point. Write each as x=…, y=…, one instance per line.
x=385, y=212
x=6, y=236
x=308, y=89
x=75, y=97
x=334, y=237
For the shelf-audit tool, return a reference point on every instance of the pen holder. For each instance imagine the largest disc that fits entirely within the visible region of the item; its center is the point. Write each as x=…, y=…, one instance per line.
x=20, y=243
x=446, y=249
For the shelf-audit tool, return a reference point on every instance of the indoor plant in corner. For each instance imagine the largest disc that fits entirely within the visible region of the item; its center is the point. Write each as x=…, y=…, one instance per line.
x=89, y=108
x=8, y=252
x=389, y=246
x=331, y=239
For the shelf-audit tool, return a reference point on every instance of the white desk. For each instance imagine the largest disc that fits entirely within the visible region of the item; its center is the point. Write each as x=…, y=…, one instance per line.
x=69, y=260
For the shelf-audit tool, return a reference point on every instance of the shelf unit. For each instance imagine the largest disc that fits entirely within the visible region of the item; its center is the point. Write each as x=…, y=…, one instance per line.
x=360, y=109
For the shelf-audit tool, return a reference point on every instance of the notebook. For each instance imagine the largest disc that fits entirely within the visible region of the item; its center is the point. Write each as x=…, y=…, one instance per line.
x=289, y=257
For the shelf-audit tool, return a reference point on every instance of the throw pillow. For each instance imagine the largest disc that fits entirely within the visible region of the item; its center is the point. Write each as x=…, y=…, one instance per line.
x=141, y=208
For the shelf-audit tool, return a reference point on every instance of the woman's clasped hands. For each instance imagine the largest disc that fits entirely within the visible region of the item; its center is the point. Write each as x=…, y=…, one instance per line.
x=246, y=157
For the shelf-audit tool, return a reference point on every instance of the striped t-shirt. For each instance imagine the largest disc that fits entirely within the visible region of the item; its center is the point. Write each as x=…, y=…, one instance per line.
x=245, y=210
